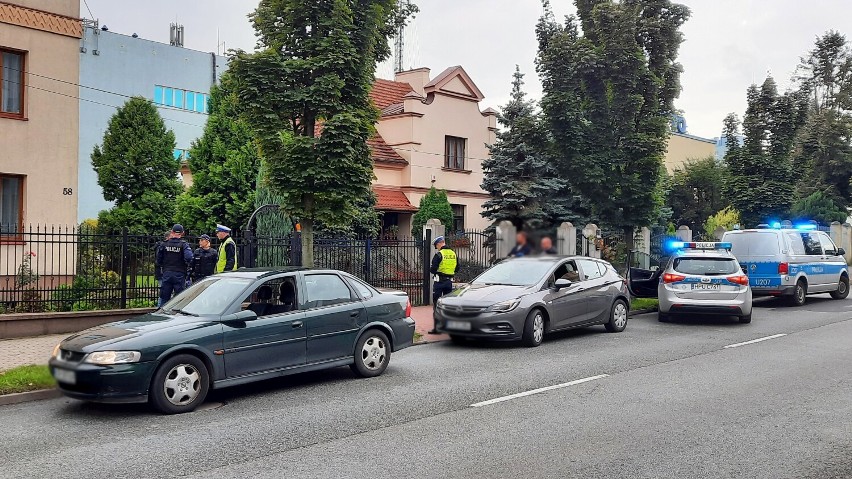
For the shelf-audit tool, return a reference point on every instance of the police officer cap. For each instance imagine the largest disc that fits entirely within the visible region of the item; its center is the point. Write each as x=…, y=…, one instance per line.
x=437, y=240
x=204, y=237
x=222, y=228
x=177, y=228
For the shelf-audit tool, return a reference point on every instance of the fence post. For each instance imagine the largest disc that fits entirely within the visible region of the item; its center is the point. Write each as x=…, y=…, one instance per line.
x=591, y=233
x=505, y=235
x=367, y=263
x=124, y=258
x=431, y=230
x=684, y=233
x=719, y=232
x=566, y=239
x=846, y=240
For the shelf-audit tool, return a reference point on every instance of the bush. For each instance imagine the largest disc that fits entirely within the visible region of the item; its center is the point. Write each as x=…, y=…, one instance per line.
x=818, y=207
x=141, y=303
x=727, y=218
x=30, y=302
x=64, y=297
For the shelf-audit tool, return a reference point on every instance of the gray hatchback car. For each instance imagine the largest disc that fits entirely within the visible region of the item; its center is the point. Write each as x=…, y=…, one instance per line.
x=526, y=298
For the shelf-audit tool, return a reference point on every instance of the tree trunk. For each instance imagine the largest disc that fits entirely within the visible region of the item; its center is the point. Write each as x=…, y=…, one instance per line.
x=629, y=231
x=307, y=242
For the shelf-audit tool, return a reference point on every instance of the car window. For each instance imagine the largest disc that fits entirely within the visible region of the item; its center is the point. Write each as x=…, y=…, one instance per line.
x=797, y=246
x=705, y=266
x=208, y=297
x=325, y=290
x=590, y=269
x=753, y=243
x=365, y=290
x=276, y=296
x=515, y=272
x=811, y=242
x=567, y=270
x=828, y=246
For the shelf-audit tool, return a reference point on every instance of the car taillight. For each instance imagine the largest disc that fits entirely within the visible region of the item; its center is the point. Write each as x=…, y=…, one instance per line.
x=673, y=278
x=783, y=268
x=408, y=309
x=743, y=280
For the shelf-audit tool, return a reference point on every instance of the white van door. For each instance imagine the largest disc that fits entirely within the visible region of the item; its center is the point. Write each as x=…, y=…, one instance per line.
x=833, y=264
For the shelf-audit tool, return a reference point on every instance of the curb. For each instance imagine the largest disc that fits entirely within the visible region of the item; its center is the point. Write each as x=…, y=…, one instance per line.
x=17, y=398
x=641, y=311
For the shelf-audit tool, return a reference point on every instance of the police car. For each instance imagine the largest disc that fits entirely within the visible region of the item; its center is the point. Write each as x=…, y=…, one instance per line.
x=700, y=278
x=791, y=260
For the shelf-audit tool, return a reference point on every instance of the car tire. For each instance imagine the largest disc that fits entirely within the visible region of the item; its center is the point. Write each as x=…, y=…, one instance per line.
x=180, y=384
x=842, y=288
x=456, y=339
x=372, y=354
x=800, y=293
x=533, y=329
x=663, y=317
x=617, y=317
x=745, y=319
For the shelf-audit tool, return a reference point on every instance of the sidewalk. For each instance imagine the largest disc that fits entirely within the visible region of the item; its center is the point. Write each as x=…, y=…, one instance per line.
x=25, y=351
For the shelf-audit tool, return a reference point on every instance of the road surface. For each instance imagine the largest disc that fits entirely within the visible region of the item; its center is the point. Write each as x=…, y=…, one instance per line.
x=698, y=398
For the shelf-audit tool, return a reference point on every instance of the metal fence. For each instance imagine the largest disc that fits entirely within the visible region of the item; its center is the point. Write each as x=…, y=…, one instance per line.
x=77, y=269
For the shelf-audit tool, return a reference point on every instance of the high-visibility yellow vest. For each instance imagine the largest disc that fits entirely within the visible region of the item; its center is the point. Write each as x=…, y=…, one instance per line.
x=447, y=267
x=220, y=265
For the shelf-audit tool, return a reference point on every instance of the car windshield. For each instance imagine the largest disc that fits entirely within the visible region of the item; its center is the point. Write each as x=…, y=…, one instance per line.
x=515, y=273
x=706, y=266
x=207, y=297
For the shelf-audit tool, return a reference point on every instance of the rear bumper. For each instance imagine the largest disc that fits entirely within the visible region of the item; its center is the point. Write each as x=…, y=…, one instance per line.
x=774, y=291
x=404, y=334
x=123, y=383
x=715, y=310
x=739, y=306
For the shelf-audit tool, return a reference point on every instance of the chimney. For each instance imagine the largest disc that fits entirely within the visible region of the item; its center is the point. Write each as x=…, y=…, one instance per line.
x=417, y=78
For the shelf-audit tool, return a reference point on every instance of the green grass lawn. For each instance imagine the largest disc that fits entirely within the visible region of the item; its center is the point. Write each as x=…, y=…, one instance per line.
x=25, y=378
x=143, y=281
x=643, y=303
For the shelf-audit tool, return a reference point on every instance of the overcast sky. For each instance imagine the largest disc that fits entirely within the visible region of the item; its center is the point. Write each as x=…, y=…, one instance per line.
x=729, y=43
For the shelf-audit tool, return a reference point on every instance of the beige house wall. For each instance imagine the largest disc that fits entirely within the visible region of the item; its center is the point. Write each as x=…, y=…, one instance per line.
x=683, y=148
x=43, y=146
x=419, y=136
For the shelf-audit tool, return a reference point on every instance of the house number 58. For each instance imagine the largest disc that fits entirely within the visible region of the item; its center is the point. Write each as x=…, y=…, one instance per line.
x=67, y=191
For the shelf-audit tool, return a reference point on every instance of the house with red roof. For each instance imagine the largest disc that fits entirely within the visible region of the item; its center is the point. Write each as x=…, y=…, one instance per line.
x=431, y=133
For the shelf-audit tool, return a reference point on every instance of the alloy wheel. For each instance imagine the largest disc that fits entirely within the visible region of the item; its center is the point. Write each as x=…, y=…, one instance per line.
x=182, y=384
x=373, y=353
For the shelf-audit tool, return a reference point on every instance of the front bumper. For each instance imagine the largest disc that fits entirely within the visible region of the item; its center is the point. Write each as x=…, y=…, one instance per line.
x=121, y=383
x=484, y=325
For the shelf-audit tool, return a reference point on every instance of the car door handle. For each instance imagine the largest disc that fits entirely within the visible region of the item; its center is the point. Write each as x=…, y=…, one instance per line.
x=355, y=313
x=296, y=324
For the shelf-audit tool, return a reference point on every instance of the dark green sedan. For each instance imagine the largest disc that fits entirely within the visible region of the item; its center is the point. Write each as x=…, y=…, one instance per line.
x=235, y=328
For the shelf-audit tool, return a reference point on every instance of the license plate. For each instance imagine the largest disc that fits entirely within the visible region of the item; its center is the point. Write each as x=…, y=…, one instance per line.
x=460, y=325
x=706, y=287
x=65, y=376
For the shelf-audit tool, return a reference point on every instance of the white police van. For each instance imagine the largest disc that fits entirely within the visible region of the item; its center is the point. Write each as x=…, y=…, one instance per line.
x=792, y=261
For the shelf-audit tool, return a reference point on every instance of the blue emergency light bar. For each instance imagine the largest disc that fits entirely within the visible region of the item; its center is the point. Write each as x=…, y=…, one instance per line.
x=778, y=225
x=703, y=245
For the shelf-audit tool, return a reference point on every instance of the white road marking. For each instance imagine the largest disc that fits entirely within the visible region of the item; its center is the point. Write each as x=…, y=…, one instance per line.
x=754, y=341
x=537, y=391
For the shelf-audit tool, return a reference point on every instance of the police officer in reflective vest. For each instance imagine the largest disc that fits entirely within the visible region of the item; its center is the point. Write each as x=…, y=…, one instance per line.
x=444, y=266
x=174, y=257
x=227, y=250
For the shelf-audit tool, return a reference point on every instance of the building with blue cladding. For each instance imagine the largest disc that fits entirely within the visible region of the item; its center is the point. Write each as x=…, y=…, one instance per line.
x=115, y=67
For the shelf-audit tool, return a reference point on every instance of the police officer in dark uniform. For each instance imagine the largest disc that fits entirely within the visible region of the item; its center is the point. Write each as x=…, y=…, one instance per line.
x=444, y=266
x=204, y=259
x=174, y=257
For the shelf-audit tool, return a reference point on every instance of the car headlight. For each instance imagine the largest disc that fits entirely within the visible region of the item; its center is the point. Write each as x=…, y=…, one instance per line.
x=55, y=353
x=505, y=306
x=113, y=357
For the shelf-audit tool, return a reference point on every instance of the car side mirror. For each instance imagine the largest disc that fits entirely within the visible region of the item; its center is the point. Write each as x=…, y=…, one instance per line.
x=841, y=252
x=562, y=283
x=245, y=315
